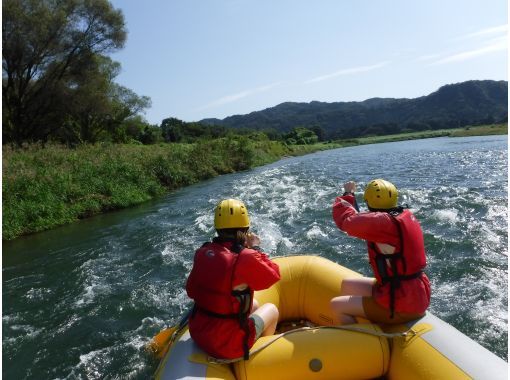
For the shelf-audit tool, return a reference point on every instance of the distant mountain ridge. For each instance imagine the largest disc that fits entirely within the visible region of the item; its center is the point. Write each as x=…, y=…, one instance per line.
x=453, y=105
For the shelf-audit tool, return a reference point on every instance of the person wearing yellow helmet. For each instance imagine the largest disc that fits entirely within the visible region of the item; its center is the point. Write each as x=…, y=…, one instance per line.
x=400, y=290
x=380, y=195
x=226, y=319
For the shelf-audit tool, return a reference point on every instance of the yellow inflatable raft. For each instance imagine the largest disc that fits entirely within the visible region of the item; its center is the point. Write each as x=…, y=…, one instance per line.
x=427, y=348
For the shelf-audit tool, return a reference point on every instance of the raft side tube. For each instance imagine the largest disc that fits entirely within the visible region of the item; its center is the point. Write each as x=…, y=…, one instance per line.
x=188, y=361
x=443, y=353
x=319, y=354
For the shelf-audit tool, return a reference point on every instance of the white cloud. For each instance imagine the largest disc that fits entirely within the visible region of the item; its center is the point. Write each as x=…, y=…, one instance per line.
x=497, y=44
x=501, y=29
x=352, y=70
x=234, y=97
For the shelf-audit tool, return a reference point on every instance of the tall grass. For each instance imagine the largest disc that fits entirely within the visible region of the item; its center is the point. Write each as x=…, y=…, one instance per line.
x=46, y=187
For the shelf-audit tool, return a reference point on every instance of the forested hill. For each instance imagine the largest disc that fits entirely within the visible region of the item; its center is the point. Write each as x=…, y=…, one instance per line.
x=461, y=104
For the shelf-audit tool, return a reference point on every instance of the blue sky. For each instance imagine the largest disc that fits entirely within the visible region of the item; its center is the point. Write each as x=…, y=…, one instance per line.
x=197, y=59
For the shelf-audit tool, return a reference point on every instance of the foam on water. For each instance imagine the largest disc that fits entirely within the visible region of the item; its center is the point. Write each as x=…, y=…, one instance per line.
x=94, y=273
x=68, y=324
x=203, y=222
x=315, y=232
x=37, y=293
x=171, y=253
x=448, y=216
x=92, y=364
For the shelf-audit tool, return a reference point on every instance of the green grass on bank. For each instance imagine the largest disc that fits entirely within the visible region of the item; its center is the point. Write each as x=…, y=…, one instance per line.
x=43, y=188
x=495, y=129
x=46, y=188
x=483, y=130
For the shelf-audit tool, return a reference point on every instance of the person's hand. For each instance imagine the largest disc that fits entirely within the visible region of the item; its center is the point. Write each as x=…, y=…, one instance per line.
x=350, y=187
x=252, y=240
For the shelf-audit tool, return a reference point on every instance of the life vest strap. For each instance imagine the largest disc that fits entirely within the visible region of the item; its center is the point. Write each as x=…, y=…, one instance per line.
x=394, y=282
x=216, y=315
x=400, y=277
x=241, y=292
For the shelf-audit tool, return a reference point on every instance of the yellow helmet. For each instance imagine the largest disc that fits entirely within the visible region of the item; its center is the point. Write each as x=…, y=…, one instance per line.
x=381, y=195
x=231, y=213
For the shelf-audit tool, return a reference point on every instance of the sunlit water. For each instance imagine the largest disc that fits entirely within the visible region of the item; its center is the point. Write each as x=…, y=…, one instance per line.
x=83, y=300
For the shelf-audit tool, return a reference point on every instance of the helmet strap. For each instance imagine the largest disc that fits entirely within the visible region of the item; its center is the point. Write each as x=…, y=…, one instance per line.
x=393, y=210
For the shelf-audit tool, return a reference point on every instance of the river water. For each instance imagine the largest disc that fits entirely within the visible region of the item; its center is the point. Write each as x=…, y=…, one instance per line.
x=81, y=301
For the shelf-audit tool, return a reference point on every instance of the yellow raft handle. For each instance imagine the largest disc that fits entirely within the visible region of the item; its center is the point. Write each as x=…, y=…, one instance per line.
x=161, y=341
x=165, y=338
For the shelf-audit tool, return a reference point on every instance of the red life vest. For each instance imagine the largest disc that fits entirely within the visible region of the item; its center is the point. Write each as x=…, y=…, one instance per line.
x=210, y=282
x=219, y=323
x=402, y=271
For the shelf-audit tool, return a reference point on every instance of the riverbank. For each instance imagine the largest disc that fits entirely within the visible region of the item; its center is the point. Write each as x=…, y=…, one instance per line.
x=482, y=130
x=50, y=187
x=46, y=188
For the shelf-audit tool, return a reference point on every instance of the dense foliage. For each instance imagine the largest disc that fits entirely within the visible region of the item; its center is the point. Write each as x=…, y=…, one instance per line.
x=456, y=105
x=46, y=187
x=175, y=130
x=57, y=80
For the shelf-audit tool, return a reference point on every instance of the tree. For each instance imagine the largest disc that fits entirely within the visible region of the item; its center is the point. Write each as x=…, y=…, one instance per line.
x=131, y=130
x=272, y=134
x=319, y=131
x=95, y=106
x=150, y=135
x=125, y=104
x=172, y=129
x=90, y=100
x=46, y=44
x=175, y=130
x=301, y=136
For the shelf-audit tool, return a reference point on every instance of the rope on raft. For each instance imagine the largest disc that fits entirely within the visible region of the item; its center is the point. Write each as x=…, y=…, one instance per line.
x=403, y=334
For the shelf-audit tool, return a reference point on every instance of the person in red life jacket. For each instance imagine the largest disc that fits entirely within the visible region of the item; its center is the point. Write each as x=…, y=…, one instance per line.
x=400, y=291
x=226, y=320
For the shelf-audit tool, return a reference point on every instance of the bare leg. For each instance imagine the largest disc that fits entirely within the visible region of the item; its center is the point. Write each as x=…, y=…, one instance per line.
x=255, y=305
x=348, y=307
x=350, y=302
x=357, y=286
x=269, y=314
